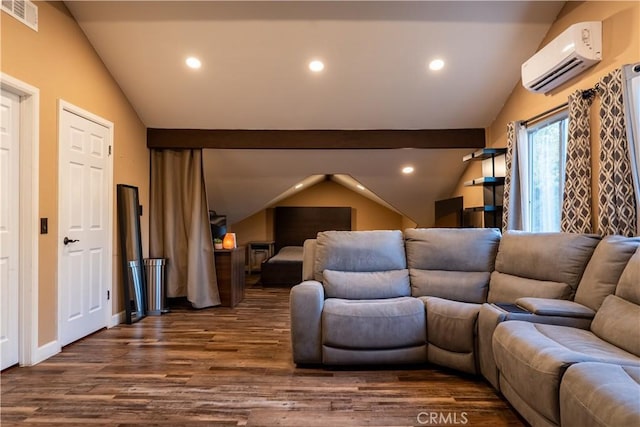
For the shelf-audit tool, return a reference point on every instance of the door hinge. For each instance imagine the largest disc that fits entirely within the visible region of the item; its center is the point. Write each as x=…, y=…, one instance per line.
x=109, y=150
x=108, y=295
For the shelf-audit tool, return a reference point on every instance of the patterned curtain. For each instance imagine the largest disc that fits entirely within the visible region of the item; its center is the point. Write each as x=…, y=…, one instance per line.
x=512, y=214
x=617, y=205
x=576, y=200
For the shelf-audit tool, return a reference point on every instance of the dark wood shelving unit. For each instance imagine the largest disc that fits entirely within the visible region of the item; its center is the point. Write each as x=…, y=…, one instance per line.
x=485, y=181
x=484, y=153
x=485, y=208
x=493, y=187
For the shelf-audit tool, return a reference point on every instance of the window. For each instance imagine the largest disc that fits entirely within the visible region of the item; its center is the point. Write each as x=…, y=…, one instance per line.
x=547, y=142
x=632, y=116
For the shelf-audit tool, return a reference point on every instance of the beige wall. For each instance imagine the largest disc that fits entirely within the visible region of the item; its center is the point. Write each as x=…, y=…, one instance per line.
x=367, y=214
x=620, y=45
x=60, y=61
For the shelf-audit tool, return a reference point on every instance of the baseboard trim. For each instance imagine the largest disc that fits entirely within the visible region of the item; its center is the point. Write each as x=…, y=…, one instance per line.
x=117, y=319
x=46, y=351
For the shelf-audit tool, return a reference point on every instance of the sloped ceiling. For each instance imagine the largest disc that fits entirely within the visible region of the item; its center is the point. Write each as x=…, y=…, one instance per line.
x=255, y=76
x=239, y=186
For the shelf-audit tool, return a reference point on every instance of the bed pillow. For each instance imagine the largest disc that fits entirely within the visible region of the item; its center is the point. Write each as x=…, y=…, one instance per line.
x=366, y=285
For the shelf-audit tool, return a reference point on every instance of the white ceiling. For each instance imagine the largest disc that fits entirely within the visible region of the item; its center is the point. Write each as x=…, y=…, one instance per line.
x=255, y=75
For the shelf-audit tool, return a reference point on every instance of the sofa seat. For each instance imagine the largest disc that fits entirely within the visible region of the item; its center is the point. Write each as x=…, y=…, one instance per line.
x=532, y=359
x=451, y=333
x=598, y=394
x=351, y=326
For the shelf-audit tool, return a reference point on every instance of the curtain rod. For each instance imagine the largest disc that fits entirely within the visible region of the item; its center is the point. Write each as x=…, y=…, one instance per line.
x=586, y=94
x=545, y=113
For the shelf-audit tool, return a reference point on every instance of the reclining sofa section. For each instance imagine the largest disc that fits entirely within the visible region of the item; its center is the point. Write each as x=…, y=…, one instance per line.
x=533, y=358
x=358, y=308
x=524, y=309
x=599, y=279
x=365, y=297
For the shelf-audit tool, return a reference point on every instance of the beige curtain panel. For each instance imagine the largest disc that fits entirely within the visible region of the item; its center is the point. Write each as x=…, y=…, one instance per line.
x=179, y=226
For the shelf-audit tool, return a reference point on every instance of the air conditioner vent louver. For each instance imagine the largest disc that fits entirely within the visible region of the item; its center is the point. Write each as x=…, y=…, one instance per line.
x=557, y=73
x=576, y=49
x=23, y=10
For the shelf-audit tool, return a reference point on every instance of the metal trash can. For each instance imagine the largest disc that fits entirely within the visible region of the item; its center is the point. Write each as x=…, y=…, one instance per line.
x=156, y=293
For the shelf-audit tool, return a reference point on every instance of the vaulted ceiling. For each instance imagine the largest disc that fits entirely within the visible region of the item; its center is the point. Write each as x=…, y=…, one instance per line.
x=255, y=75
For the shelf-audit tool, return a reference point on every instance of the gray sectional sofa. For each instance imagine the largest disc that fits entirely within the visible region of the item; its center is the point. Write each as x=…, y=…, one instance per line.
x=552, y=320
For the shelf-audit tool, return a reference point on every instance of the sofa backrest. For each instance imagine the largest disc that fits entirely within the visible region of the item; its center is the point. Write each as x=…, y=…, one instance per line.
x=603, y=271
x=629, y=285
x=618, y=320
x=542, y=265
x=451, y=263
x=361, y=264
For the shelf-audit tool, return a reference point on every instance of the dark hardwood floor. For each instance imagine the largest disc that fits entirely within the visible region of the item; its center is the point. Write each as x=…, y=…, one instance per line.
x=231, y=367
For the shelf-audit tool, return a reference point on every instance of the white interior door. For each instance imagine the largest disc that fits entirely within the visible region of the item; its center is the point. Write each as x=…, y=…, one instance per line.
x=9, y=228
x=84, y=232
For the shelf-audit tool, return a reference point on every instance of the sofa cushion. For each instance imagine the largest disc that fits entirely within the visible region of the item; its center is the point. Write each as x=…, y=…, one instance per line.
x=599, y=394
x=454, y=285
x=451, y=325
x=629, y=285
x=452, y=249
x=533, y=357
x=618, y=322
x=542, y=265
x=366, y=285
x=361, y=251
x=451, y=332
x=604, y=270
x=451, y=263
x=373, y=324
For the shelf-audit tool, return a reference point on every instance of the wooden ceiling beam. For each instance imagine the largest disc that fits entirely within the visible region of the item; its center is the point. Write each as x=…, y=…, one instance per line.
x=315, y=139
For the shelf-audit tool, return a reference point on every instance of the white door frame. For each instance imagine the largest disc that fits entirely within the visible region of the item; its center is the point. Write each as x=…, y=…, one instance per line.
x=66, y=106
x=29, y=353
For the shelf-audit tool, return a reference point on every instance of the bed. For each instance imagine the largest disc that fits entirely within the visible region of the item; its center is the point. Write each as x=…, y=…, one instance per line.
x=291, y=227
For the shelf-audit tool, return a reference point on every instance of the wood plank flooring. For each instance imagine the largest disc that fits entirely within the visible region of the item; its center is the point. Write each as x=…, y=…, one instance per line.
x=232, y=367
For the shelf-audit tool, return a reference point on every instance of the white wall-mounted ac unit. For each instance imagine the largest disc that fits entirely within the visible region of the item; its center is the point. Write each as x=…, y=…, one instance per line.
x=576, y=49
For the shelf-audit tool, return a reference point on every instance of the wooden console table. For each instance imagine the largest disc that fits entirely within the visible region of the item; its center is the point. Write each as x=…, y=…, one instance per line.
x=230, y=273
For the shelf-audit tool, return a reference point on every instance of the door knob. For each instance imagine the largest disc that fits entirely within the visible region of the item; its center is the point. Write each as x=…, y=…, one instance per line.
x=67, y=240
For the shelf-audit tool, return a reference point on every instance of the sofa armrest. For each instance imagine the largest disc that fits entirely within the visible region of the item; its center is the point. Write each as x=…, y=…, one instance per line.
x=555, y=307
x=308, y=258
x=306, y=302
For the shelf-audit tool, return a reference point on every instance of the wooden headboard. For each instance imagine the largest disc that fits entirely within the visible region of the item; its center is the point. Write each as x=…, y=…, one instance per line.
x=294, y=225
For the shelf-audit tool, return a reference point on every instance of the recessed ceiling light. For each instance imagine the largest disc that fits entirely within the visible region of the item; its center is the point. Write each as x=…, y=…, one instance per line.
x=193, y=62
x=298, y=186
x=316, y=66
x=436, y=64
x=407, y=170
